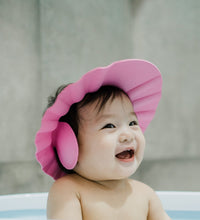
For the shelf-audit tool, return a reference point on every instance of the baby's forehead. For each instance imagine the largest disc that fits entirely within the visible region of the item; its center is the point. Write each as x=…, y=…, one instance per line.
x=108, y=110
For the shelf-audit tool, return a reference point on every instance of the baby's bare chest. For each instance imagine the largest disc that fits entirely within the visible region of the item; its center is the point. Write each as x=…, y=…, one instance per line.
x=110, y=206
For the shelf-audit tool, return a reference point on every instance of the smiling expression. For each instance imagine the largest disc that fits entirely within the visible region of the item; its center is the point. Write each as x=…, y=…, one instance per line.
x=111, y=143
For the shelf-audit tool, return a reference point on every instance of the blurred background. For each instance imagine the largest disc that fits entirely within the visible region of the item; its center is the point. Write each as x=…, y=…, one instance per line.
x=45, y=43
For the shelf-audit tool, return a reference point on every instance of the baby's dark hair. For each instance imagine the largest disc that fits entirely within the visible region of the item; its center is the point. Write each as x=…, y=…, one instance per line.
x=103, y=95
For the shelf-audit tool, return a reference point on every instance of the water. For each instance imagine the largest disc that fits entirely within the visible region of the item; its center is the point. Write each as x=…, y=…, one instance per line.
x=184, y=215
x=33, y=214
x=40, y=214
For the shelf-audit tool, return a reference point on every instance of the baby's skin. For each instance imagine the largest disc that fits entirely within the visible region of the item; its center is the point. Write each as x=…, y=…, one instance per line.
x=111, y=148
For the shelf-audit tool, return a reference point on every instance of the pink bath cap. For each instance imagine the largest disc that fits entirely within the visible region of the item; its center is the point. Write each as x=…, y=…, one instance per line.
x=140, y=79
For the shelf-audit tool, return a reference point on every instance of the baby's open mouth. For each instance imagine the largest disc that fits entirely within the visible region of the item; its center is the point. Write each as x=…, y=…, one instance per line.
x=124, y=155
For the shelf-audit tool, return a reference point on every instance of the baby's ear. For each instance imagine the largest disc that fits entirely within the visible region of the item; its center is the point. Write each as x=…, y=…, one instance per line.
x=66, y=145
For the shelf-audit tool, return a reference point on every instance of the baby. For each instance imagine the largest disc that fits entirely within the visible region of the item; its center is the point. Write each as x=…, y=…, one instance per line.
x=91, y=141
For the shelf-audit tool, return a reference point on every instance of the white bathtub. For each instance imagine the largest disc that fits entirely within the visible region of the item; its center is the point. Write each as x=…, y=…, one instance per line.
x=32, y=206
x=173, y=200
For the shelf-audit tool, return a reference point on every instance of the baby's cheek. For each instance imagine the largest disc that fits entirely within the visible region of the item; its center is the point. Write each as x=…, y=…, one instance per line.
x=141, y=147
x=142, y=140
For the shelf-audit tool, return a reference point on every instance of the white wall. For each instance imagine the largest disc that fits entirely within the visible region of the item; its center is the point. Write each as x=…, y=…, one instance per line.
x=168, y=34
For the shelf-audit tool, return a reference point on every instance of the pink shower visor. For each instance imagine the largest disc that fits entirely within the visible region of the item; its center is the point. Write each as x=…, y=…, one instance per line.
x=140, y=79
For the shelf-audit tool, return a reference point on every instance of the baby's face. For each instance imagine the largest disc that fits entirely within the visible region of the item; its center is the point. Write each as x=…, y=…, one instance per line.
x=111, y=143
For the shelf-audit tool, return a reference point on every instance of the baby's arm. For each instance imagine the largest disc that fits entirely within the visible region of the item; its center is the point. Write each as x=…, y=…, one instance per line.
x=63, y=201
x=156, y=211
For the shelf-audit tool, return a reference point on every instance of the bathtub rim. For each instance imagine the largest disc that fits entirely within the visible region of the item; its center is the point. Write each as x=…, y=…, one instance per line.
x=171, y=200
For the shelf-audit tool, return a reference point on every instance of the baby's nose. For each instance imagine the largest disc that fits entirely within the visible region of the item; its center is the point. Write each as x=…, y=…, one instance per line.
x=126, y=137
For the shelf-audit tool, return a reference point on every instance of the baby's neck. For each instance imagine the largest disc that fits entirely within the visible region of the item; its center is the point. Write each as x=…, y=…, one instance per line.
x=114, y=184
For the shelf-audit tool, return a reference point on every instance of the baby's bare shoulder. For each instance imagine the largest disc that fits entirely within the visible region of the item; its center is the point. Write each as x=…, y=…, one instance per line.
x=141, y=187
x=68, y=180
x=64, y=198
x=156, y=210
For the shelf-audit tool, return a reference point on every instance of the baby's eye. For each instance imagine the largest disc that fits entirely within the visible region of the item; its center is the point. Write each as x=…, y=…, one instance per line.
x=132, y=123
x=109, y=125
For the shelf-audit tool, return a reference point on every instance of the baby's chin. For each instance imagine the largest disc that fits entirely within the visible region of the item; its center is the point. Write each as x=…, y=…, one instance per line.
x=126, y=170
x=126, y=174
